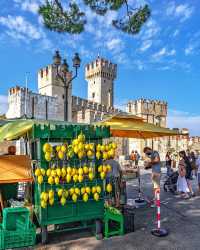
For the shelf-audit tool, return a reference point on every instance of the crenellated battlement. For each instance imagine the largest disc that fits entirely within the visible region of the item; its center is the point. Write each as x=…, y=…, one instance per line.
x=101, y=68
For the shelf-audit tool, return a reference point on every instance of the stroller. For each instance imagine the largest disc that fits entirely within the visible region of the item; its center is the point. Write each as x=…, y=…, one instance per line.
x=171, y=183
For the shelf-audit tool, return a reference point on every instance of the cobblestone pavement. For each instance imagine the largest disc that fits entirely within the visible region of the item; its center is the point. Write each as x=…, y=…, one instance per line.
x=181, y=217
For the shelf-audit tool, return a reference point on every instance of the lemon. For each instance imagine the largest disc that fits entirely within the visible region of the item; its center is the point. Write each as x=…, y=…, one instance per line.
x=61, y=155
x=66, y=193
x=76, y=149
x=63, y=170
x=53, y=173
x=75, y=142
x=109, y=168
x=83, y=190
x=90, y=169
x=57, y=180
x=63, y=201
x=85, y=170
x=51, y=180
x=37, y=172
x=106, y=147
x=81, y=146
x=42, y=170
x=47, y=156
x=43, y=204
x=48, y=173
x=40, y=179
x=58, y=172
x=69, y=170
x=100, y=168
x=51, y=201
x=80, y=178
x=42, y=195
x=94, y=189
x=77, y=191
x=114, y=145
x=70, y=153
x=47, y=148
x=45, y=197
x=80, y=171
x=63, y=148
x=96, y=196
x=87, y=147
x=102, y=175
x=68, y=178
x=73, y=171
x=75, y=178
x=88, y=190
x=51, y=194
x=81, y=137
x=98, y=147
x=105, y=168
x=98, y=155
x=58, y=148
x=85, y=197
x=74, y=197
x=81, y=154
x=109, y=188
x=60, y=192
x=98, y=189
x=102, y=148
x=71, y=191
x=105, y=155
x=91, y=147
x=91, y=176
x=90, y=154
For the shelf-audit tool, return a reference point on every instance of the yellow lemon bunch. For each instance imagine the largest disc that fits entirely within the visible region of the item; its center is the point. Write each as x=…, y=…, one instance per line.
x=109, y=188
x=75, y=193
x=63, y=195
x=40, y=173
x=48, y=151
x=103, y=170
x=106, y=151
x=44, y=199
x=61, y=151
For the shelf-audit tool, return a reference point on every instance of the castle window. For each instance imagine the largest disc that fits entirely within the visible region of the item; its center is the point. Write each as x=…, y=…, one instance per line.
x=41, y=73
x=94, y=82
x=63, y=96
x=93, y=95
x=92, y=65
x=104, y=81
x=47, y=71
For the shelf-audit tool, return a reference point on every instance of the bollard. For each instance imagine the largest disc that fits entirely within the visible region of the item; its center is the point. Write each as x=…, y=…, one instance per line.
x=159, y=232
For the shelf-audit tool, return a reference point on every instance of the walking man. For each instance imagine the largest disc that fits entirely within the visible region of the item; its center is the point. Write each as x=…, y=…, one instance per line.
x=153, y=162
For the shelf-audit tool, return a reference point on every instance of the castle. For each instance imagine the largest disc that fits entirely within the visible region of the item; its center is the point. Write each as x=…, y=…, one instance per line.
x=48, y=104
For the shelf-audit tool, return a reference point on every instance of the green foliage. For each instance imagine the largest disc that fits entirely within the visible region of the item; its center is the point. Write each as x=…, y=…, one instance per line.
x=72, y=20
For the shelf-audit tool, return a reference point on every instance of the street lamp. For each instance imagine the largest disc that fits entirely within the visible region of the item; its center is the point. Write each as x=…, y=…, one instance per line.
x=62, y=71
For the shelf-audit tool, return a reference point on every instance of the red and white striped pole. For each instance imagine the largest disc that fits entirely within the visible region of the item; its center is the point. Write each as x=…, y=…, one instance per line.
x=159, y=232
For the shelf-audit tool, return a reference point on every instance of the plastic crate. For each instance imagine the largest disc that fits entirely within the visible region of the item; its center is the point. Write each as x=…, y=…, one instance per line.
x=17, y=238
x=15, y=218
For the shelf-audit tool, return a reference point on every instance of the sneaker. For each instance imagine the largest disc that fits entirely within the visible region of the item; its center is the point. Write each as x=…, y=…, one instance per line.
x=153, y=205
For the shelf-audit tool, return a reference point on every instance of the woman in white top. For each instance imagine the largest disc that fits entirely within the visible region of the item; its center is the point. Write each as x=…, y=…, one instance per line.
x=182, y=186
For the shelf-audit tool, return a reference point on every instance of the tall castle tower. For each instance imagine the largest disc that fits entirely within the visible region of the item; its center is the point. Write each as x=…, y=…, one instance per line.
x=100, y=75
x=50, y=85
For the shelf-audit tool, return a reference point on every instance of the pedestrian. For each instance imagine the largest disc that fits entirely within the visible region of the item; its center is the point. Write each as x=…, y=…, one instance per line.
x=198, y=171
x=188, y=168
x=168, y=163
x=133, y=157
x=153, y=162
x=137, y=158
x=193, y=164
x=182, y=186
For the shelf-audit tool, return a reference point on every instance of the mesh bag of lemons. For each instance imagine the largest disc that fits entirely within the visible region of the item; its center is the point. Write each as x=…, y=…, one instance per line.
x=57, y=176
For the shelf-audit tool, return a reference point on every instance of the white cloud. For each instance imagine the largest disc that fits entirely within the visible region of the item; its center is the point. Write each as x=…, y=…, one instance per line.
x=180, y=119
x=21, y=29
x=176, y=32
x=146, y=45
x=182, y=11
x=3, y=104
x=193, y=45
x=189, y=50
x=28, y=5
x=114, y=44
x=163, y=52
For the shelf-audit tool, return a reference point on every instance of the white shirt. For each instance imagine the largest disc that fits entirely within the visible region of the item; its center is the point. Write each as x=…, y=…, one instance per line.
x=198, y=164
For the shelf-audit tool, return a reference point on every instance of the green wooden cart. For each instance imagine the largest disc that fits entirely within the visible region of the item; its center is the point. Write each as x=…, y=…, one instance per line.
x=87, y=213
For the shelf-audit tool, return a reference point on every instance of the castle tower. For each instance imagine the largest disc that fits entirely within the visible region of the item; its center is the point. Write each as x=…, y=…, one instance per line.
x=152, y=111
x=100, y=75
x=50, y=85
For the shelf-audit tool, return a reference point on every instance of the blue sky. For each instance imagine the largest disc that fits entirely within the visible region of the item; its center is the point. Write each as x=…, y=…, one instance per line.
x=161, y=62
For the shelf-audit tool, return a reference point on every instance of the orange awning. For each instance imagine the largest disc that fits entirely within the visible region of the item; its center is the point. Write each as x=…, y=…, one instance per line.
x=15, y=168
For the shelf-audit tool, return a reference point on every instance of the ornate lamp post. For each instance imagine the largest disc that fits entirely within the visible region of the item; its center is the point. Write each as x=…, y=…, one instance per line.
x=62, y=71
